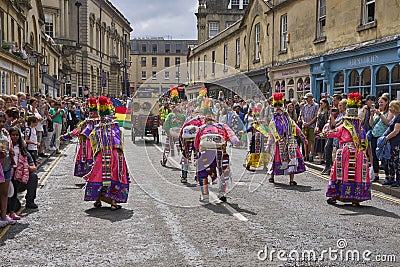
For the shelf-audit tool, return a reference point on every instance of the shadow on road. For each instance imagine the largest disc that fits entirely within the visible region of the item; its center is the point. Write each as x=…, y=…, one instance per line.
x=238, y=209
x=366, y=210
x=300, y=188
x=105, y=213
x=13, y=232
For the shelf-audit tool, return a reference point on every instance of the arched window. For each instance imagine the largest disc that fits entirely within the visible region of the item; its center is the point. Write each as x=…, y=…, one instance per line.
x=382, y=81
x=277, y=87
x=338, y=83
x=354, y=81
x=366, y=82
x=396, y=82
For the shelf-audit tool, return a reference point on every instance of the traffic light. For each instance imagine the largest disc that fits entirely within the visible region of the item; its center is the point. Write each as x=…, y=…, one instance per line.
x=80, y=91
x=68, y=89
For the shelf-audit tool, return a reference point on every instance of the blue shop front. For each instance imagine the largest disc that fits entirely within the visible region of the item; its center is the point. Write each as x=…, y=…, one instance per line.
x=371, y=69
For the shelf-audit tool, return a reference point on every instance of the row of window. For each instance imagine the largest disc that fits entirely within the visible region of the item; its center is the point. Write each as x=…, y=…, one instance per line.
x=154, y=75
x=143, y=61
x=167, y=48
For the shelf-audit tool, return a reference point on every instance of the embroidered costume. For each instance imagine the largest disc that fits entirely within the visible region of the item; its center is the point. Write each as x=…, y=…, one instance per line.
x=172, y=127
x=108, y=180
x=257, y=156
x=210, y=145
x=84, y=155
x=187, y=136
x=349, y=177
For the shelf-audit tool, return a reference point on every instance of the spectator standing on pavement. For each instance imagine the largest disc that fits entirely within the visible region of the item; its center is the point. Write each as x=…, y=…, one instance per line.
x=393, y=136
x=5, y=171
x=365, y=116
x=334, y=112
x=292, y=111
x=56, y=114
x=322, y=119
x=309, y=118
x=71, y=117
x=31, y=138
x=379, y=123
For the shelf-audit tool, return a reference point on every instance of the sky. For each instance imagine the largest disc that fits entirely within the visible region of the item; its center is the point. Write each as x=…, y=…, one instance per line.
x=171, y=19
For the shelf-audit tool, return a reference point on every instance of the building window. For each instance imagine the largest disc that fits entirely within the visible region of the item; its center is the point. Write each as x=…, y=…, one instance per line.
x=178, y=48
x=284, y=32
x=154, y=62
x=49, y=24
x=198, y=68
x=321, y=18
x=167, y=48
x=235, y=2
x=368, y=11
x=213, y=62
x=143, y=61
x=204, y=66
x=144, y=75
x=154, y=75
x=177, y=60
x=238, y=52
x=166, y=75
x=245, y=2
x=144, y=48
x=213, y=29
x=166, y=62
x=154, y=48
x=225, y=57
x=257, y=42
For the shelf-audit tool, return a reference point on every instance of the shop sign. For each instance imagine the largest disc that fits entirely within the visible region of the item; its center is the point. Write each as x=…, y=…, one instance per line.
x=365, y=60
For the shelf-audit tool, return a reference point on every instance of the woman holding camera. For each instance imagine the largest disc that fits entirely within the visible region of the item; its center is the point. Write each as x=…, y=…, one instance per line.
x=379, y=121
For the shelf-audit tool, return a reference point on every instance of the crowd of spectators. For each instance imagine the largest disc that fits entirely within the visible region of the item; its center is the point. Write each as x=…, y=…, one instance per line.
x=30, y=127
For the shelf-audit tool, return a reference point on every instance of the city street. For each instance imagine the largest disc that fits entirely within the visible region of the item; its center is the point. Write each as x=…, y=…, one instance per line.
x=163, y=223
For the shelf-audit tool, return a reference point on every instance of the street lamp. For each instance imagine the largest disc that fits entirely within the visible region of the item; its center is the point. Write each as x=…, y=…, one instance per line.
x=45, y=69
x=78, y=4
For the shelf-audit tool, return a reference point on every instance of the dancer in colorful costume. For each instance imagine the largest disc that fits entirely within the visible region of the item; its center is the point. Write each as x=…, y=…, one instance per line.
x=108, y=180
x=349, y=177
x=283, y=149
x=172, y=127
x=210, y=144
x=186, y=142
x=84, y=155
x=257, y=156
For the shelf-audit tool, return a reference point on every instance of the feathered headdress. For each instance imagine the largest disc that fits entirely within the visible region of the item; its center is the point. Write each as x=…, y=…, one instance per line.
x=277, y=100
x=174, y=95
x=354, y=100
x=92, y=104
x=353, y=103
x=203, y=92
x=105, y=106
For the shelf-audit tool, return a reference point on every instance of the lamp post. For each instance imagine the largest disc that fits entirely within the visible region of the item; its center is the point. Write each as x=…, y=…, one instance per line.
x=78, y=4
x=45, y=69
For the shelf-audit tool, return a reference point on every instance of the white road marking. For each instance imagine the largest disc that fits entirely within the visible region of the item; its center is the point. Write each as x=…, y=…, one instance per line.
x=213, y=196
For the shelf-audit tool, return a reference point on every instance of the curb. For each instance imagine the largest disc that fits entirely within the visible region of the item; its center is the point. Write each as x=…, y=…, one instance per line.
x=395, y=192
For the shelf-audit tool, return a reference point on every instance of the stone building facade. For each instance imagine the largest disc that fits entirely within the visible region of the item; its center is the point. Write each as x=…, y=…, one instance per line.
x=157, y=63
x=319, y=46
x=213, y=16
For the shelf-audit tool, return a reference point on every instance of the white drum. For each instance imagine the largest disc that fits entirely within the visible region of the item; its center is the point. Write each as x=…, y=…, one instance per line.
x=211, y=141
x=189, y=131
x=174, y=132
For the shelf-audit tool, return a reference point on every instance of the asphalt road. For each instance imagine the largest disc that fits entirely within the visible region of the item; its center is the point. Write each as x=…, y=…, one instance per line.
x=163, y=223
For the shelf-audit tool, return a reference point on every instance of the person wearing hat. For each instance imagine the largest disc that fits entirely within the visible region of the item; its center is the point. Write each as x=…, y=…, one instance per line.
x=172, y=125
x=282, y=147
x=349, y=178
x=108, y=181
x=309, y=118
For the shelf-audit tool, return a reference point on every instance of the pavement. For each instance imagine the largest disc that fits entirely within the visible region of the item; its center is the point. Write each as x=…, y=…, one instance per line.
x=386, y=189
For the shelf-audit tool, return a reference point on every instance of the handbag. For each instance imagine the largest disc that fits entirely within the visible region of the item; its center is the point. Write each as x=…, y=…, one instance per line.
x=369, y=133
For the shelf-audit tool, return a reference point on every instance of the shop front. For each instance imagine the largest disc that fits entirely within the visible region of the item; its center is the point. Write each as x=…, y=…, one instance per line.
x=13, y=75
x=292, y=80
x=368, y=69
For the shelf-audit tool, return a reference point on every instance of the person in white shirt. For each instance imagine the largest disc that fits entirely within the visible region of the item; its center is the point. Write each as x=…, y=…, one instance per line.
x=31, y=137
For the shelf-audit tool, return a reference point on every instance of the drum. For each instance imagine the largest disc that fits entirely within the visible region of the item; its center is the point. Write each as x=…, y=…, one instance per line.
x=212, y=141
x=189, y=131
